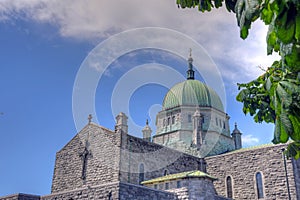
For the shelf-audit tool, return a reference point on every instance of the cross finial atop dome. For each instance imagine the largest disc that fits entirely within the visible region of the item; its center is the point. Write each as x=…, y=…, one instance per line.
x=190, y=72
x=236, y=130
x=190, y=57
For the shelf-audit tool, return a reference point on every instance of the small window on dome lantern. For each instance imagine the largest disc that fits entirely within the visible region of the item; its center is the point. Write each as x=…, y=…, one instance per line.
x=173, y=119
x=189, y=118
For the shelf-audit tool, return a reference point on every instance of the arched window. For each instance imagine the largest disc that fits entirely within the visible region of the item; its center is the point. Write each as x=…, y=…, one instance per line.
x=189, y=118
x=259, y=185
x=178, y=184
x=141, y=173
x=173, y=119
x=229, y=187
x=167, y=186
x=166, y=172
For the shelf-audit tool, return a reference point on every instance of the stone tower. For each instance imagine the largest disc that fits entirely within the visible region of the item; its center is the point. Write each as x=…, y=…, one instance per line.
x=121, y=123
x=147, y=132
x=197, y=129
x=237, y=137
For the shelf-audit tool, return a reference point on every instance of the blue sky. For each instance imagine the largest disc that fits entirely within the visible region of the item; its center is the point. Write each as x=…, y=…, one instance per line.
x=44, y=44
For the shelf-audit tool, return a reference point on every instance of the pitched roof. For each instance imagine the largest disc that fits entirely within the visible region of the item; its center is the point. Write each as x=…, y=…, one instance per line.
x=189, y=174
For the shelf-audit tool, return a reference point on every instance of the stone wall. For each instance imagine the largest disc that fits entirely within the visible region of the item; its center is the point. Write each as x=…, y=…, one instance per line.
x=155, y=158
x=114, y=190
x=101, y=163
x=103, y=191
x=242, y=166
x=20, y=197
x=136, y=192
x=296, y=168
x=182, y=193
x=193, y=188
x=216, y=143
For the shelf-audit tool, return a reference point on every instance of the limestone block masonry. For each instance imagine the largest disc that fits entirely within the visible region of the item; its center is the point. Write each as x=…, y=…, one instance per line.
x=157, y=160
x=102, y=163
x=242, y=166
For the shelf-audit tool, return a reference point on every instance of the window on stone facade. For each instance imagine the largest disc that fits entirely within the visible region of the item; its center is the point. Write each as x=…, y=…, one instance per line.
x=173, y=120
x=167, y=186
x=168, y=123
x=164, y=122
x=166, y=172
x=229, y=187
x=189, y=118
x=155, y=186
x=220, y=123
x=259, y=185
x=178, y=184
x=110, y=195
x=224, y=125
x=217, y=121
x=141, y=173
x=203, y=120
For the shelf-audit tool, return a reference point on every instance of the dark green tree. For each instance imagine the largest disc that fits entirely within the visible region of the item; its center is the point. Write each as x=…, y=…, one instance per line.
x=273, y=97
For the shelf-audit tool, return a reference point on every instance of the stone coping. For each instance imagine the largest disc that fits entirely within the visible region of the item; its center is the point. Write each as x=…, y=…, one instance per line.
x=19, y=194
x=247, y=149
x=83, y=188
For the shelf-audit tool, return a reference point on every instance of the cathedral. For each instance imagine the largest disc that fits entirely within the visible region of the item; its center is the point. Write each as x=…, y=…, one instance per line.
x=192, y=156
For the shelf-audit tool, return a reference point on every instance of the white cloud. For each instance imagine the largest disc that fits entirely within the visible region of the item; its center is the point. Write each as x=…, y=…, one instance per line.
x=249, y=140
x=94, y=20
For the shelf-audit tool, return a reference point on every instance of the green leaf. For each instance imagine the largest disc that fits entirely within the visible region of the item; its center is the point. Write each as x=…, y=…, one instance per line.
x=244, y=32
x=285, y=25
x=295, y=135
x=286, y=127
x=293, y=59
x=293, y=150
x=277, y=132
x=286, y=33
x=218, y=3
x=267, y=14
x=205, y=5
x=246, y=11
x=230, y=5
x=271, y=39
x=268, y=84
x=242, y=95
x=289, y=86
x=284, y=96
x=297, y=30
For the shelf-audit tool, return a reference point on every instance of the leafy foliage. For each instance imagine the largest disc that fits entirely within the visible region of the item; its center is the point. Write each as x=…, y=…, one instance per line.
x=273, y=97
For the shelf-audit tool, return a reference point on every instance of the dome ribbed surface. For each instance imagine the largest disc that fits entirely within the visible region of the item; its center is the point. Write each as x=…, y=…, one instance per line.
x=192, y=93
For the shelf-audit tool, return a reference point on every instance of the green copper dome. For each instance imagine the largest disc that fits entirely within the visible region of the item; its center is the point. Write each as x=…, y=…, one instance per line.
x=192, y=93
